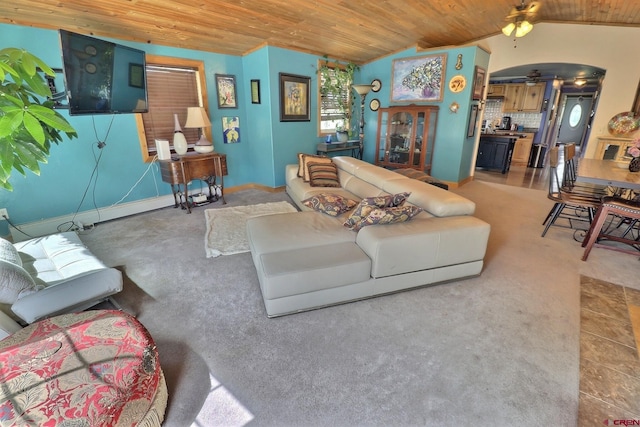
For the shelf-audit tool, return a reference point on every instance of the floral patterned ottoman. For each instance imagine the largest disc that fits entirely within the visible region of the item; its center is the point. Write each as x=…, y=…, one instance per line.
x=96, y=368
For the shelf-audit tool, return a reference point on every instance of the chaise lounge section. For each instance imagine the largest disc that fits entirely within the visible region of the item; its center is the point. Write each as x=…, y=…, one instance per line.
x=309, y=259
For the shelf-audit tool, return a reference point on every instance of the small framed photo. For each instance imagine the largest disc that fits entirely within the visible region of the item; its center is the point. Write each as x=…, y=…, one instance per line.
x=255, y=91
x=231, y=130
x=226, y=90
x=473, y=118
x=294, y=98
x=136, y=75
x=478, y=83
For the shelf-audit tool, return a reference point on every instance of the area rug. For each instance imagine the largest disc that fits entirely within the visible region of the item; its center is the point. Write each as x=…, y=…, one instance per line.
x=226, y=234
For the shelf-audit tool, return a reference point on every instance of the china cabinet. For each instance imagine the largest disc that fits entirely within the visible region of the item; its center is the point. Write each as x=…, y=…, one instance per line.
x=406, y=137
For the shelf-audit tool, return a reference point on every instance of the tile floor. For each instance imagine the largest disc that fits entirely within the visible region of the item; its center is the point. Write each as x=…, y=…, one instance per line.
x=609, y=353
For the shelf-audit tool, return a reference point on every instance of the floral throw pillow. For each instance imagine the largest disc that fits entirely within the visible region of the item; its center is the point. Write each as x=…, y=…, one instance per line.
x=390, y=215
x=368, y=204
x=330, y=204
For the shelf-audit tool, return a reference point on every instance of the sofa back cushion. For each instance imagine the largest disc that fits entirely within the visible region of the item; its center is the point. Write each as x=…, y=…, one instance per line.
x=13, y=278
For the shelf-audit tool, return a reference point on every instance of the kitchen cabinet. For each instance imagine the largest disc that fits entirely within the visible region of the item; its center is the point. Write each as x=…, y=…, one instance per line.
x=406, y=137
x=495, y=152
x=496, y=90
x=613, y=148
x=522, y=149
x=520, y=98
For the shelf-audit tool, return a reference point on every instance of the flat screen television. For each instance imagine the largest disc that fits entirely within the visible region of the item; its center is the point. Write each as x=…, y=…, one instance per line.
x=102, y=77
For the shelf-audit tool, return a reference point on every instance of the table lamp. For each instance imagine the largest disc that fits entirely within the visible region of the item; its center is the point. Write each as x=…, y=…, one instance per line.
x=197, y=118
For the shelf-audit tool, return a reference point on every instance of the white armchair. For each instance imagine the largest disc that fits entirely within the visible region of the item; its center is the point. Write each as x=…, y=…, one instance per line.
x=51, y=275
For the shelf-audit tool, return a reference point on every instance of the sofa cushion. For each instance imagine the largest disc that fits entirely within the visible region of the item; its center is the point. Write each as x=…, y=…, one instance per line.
x=309, y=158
x=299, y=271
x=14, y=280
x=322, y=174
x=368, y=204
x=390, y=215
x=330, y=204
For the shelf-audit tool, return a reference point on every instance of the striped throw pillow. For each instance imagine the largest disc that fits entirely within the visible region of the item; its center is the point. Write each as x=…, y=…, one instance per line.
x=323, y=174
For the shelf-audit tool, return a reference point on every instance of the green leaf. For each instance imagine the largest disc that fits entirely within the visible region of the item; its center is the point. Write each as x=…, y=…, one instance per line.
x=51, y=118
x=34, y=127
x=26, y=157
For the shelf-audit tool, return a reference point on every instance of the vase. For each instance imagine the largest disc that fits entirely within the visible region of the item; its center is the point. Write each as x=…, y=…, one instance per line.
x=342, y=136
x=634, y=165
x=179, y=141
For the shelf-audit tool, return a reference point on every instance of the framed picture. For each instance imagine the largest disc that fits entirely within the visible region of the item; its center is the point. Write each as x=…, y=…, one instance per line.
x=473, y=118
x=418, y=79
x=231, y=130
x=294, y=98
x=478, y=83
x=226, y=89
x=636, y=102
x=255, y=91
x=136, y=75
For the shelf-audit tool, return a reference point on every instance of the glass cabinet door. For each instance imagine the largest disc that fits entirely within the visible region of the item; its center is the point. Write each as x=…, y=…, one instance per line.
x=406, y=136
x=399, y=138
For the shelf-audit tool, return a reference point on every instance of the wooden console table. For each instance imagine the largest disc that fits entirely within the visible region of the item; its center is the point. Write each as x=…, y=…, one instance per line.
x=207, y=167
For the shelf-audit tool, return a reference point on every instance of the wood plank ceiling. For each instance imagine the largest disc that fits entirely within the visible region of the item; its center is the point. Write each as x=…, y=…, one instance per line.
x=354, y=30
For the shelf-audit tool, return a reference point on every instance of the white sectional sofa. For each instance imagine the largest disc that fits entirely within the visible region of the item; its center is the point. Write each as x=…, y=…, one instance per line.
x=50, y=275
x=308, y=259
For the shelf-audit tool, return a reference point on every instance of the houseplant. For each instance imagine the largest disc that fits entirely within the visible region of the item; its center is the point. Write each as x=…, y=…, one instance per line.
x=28, y=122
x=335, y=91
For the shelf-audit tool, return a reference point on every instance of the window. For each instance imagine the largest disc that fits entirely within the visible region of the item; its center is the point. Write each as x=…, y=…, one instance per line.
x=335, y=104
x=173, y=84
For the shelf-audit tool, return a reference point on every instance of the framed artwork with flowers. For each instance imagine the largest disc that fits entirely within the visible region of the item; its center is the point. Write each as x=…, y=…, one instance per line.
x=418, y=79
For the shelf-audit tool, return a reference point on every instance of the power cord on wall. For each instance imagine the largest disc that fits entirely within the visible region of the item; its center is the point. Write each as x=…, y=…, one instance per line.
x=100, y=144
x=6, y=218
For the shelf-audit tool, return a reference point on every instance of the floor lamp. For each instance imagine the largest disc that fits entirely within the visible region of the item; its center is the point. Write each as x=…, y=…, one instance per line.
x=362, y=90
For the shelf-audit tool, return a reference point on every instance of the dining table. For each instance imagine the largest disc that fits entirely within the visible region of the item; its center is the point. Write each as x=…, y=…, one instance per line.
x=607, y=173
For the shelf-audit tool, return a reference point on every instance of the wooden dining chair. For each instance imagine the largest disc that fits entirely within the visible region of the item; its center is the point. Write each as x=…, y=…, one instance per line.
x=627, y=213
x=570, y=206
x=570, y=174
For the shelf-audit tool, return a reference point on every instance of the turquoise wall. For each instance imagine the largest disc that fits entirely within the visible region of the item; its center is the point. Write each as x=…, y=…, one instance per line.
x=453, y=151
x=71, y=181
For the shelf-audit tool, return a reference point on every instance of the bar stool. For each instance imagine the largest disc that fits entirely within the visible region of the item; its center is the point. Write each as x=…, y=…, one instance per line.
x=626, y=210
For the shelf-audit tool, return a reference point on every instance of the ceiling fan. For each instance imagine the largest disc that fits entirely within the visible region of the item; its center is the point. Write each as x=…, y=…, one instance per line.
x=518, y=19
x=523, y=10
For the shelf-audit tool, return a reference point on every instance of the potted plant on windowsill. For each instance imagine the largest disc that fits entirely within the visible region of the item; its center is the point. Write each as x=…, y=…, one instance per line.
x=337, y=86
x=28, y=122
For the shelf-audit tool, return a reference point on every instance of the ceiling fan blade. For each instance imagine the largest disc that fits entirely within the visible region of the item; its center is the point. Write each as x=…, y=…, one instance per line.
x=523, y=10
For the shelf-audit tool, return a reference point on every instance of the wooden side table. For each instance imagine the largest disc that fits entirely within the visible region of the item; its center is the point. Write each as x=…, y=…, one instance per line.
x=207, y=167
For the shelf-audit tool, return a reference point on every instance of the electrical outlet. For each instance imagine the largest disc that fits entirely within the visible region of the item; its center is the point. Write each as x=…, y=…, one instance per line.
x=4, y=214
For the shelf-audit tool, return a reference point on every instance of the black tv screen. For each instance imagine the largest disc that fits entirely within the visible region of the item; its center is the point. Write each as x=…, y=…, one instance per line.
x=102, y=77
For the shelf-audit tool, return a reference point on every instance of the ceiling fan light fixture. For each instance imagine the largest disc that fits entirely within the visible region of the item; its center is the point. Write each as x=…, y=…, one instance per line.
x=523, y=28
x=508, y=29
x=579, y=82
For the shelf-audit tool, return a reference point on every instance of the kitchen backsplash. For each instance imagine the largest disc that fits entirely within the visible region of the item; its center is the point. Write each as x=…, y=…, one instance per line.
x=493, y=114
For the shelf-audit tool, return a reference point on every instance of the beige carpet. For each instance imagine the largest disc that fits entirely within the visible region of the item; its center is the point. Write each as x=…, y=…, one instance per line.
x=226, y=234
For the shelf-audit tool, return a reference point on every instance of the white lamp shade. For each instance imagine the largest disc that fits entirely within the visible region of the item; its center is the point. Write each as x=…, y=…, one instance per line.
x=523, y=29
x=508, y=29
x=361, y=89
x=197, y=118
